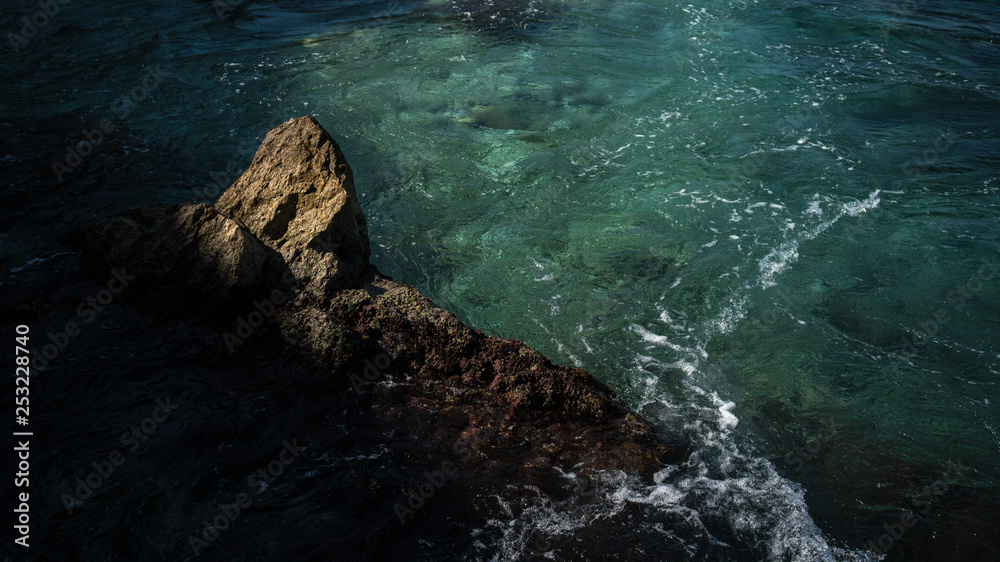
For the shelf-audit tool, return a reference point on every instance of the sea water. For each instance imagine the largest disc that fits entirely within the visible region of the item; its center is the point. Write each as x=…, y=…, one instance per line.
x=771, y=227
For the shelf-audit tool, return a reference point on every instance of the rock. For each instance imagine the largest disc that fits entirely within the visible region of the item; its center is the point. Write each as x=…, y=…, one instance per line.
x=448, y=379
x=420, y=433
x=298, y=197
x=192, y=251
x=373, y=365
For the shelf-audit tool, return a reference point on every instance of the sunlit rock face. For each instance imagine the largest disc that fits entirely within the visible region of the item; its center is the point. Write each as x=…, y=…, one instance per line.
x=294, y=213
x=298, y=197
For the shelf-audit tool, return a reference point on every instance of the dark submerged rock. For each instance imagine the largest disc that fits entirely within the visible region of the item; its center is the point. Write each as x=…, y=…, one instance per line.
x=499, y=15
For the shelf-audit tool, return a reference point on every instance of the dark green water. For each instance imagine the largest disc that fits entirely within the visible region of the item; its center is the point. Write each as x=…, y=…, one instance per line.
x=767, y=225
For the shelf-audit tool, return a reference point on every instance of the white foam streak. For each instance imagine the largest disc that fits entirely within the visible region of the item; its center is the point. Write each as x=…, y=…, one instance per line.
x=720, y=480
x=779, y=259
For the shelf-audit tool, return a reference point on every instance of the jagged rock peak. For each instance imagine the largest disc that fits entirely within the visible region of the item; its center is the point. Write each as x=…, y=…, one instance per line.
x=298, y=197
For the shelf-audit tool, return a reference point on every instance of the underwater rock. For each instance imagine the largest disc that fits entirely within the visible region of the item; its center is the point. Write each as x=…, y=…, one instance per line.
x=499, y=15
x=497, y=117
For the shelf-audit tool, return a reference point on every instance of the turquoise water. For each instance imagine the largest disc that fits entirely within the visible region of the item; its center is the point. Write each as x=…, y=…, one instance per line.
x=761, y=223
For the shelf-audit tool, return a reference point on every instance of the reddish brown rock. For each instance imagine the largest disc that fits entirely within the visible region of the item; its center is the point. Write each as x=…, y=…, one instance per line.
x=441, y=382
